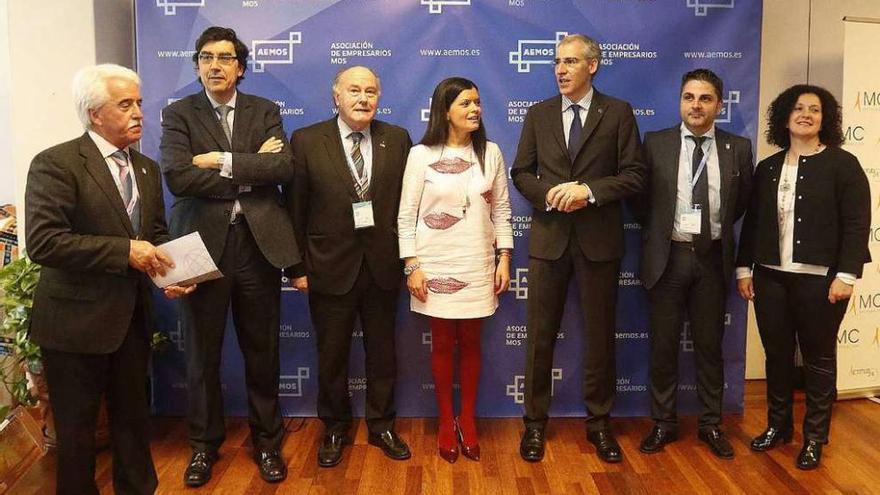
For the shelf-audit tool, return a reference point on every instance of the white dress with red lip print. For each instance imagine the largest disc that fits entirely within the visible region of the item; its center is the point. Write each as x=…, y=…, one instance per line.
x=453, y=217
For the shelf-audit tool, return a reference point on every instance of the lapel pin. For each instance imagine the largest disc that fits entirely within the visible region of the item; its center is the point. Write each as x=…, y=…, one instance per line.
x=144, y=171
x=382, y=144
x=727, y=146
x=600, y=110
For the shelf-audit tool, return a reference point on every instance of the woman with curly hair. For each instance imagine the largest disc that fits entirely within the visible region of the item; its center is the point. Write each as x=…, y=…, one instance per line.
x=804, y=243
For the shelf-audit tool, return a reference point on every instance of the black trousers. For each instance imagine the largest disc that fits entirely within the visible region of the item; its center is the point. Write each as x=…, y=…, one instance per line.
x=76, y=384
x=252, y=287
x=548, y=285
x=333, y=318
x=691, y=284
x=789, y=306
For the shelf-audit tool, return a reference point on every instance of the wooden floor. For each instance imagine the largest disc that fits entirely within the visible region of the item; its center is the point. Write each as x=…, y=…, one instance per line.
x=851, y=463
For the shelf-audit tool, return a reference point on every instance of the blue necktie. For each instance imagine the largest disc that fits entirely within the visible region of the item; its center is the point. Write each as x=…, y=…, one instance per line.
x=575, y=131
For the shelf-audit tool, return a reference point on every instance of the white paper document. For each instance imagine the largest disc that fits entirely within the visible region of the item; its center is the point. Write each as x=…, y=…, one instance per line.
x=192, y=262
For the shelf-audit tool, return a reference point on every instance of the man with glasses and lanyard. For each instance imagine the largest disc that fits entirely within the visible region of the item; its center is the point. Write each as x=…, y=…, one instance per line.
x=224, y=156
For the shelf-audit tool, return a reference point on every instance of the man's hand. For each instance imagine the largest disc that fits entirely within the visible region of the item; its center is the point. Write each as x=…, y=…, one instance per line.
x=568, y=196
x=211, y=160
x=839, y=291
x=301, y=284
x=145, y=257
x=746, y=288
x=175, y=291
x=272, y=145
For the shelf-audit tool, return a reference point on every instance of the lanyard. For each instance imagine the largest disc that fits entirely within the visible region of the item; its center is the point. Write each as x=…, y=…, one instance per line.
x=696, y=176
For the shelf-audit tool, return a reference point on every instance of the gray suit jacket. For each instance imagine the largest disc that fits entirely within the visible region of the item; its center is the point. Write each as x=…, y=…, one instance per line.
x=79, y=231
x=656, y=208
x=203, y=199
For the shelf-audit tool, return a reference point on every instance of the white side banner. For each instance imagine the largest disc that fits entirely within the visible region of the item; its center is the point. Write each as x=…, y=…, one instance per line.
x=858, y=340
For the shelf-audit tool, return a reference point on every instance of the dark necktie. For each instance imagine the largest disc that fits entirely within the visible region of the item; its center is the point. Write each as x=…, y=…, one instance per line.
x=120, y=158
x=361, y=183
x=224, y=110
x=703, y=240
x=575, y=131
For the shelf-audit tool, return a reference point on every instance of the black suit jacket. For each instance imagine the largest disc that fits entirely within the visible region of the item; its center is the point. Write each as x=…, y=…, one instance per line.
x=321, y=200
x=608, y=160
x=833, y=211
x=655, y=208
x=204, y=199
x=79, y=231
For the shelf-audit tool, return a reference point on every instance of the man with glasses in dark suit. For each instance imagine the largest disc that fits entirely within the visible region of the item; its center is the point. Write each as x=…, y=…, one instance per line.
x=224, y=156
x=579, y=155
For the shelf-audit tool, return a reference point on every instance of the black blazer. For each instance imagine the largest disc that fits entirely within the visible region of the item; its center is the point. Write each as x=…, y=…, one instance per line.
x=320, y=203
x=203, y=199
x=655, y=209
x=608, y=160
x=832, y=212
x=78, y=230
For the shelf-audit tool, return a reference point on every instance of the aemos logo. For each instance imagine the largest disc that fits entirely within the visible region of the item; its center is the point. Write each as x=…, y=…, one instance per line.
x=274, y=52
x=172, y=5
x=535, y=52
x=436, y=6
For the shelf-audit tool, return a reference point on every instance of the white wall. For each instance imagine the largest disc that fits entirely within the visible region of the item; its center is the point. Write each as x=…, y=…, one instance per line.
x=48, y=42
x=7, y=178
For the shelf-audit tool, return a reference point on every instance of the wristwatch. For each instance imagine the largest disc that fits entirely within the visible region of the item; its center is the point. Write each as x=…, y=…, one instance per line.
x=409, y=269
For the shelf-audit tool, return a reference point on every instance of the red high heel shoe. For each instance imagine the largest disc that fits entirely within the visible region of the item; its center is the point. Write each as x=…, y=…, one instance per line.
x=472, y=452
x=449, y=454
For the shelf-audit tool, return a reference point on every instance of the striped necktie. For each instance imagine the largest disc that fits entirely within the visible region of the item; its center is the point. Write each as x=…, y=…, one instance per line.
x=357, y=158
x=126, y=188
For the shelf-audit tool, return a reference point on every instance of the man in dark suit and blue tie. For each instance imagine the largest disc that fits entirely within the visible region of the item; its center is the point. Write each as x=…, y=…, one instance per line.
x=700, y=178
x=224, y=156
x=95, y=215
x=579, y=155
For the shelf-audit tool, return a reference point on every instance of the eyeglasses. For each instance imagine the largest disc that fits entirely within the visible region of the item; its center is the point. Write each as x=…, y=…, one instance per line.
x=222, y=59
x=568, y=61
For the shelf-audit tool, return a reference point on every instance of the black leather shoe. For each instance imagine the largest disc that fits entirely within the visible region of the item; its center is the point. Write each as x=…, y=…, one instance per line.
x=531, y=447
x=606, y=446
x=717, y=443
x=656, y=439
x=198, y=472
x=810, y=455
x=272, y=466
x=330, y=451
x=770, y=438
x=392, y=445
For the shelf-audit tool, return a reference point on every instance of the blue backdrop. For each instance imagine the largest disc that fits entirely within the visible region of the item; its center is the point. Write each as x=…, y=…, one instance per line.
x=506, y=47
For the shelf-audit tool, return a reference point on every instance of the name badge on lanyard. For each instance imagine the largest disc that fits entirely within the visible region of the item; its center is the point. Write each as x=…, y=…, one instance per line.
x=690, y=221
x=363, y=214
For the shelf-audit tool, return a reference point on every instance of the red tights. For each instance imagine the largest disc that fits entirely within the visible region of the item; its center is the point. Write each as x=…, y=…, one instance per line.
x=444, y=334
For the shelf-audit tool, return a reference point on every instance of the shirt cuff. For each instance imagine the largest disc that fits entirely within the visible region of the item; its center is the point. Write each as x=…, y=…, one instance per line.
x=590, y=198
x=407, y=248
x=226, y=167
x=847, y=278
x=743, y=272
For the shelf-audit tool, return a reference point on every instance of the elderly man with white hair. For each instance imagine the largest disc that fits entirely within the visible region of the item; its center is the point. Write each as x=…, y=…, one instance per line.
x=95, y=214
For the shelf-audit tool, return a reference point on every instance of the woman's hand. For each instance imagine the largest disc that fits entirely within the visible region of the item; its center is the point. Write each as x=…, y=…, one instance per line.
x=839, y=291
x=502, y=274
x=746, y=288
x=417, y=285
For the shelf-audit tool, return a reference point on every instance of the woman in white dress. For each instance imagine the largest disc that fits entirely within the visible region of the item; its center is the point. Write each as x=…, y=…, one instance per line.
x=454, y=218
